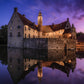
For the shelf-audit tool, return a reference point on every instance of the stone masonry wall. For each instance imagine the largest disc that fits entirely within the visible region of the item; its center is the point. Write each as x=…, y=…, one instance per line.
x=49, y=43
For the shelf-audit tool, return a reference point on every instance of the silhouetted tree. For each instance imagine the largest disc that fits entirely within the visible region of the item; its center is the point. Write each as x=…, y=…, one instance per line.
x=3, y=34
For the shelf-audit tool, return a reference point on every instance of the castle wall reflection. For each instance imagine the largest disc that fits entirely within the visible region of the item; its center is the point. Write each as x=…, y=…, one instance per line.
x=41, y=66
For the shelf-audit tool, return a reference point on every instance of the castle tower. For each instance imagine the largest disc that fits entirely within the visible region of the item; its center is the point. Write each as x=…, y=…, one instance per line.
x=73, y=32
x=40, y=20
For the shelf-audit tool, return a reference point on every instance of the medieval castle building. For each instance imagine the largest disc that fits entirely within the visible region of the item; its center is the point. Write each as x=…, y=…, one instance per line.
x=22, y=33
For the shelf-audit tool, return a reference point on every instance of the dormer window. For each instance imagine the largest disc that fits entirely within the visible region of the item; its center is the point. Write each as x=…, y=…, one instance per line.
x=18, y=26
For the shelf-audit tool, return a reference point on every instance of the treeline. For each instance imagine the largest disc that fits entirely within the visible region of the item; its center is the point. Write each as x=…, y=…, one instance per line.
x=3, y=34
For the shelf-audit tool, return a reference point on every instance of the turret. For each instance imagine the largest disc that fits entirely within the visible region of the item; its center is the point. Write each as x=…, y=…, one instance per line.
x=73, y=32
x=40, y=19
x=73, y=28
x=67, y=19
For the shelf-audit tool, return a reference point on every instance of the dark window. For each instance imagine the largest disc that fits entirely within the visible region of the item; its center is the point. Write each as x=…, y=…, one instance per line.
x=29, y=35
x=10, y=59
x=18, y=61
x=10, y=34
x=18, y=26
x=25, y=66
x=29, y=28
x=19, y=34
x=11, y=21
x=18, y=68
x=25, y=35
x=33, y=36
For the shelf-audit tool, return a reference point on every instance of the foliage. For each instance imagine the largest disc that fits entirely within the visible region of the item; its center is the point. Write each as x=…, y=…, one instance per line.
x=3, y=34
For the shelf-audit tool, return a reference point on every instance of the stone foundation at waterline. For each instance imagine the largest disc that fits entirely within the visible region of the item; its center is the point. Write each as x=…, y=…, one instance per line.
x=49, y=43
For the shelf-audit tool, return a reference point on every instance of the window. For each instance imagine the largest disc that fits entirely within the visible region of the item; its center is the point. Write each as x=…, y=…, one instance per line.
x=33, y=36
x=10, y=60
x=29, y=28
x=11, y=21
x=10, y=28
x=19, y=34
x=10, y=34
x=29, y=35
x=25, y=28
x=18, y=26
x=25, y=35
x=18, y=60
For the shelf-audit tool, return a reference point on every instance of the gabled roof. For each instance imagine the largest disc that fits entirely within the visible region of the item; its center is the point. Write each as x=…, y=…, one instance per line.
x=26, y=21
x=46, y=28
x=59, y=26
x=54, y=27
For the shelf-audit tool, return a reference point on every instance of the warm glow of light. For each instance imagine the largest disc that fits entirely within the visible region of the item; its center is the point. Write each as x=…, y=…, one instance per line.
x=69, y=35
x=69, y=61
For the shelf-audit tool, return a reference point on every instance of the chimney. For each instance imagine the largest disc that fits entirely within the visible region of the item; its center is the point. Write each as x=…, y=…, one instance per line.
x=24, y=15
x=67, y=19
x=15, y=9
x=72, y=25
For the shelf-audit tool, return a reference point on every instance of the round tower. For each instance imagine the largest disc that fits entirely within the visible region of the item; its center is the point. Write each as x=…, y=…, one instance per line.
x=40, y=19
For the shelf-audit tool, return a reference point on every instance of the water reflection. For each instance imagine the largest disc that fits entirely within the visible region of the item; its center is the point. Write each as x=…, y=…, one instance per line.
x=3, y=55
x=22, y=62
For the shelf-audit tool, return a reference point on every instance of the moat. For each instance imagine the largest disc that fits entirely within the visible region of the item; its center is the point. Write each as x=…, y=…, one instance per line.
x=27, y=66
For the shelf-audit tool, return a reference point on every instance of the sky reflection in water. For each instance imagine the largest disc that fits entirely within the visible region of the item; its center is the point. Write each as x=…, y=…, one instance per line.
x=56, y=67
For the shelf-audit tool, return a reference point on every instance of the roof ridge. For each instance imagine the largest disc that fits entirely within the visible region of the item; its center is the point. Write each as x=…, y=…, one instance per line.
x=23, y=17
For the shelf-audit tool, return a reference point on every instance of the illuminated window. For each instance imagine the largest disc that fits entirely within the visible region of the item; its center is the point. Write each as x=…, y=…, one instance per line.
x=10, y=28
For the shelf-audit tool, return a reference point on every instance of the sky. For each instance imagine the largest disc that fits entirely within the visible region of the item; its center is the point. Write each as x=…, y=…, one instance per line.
x=53, y=11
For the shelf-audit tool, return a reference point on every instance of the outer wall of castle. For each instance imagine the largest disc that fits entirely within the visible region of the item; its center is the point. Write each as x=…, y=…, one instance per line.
x=49, y=43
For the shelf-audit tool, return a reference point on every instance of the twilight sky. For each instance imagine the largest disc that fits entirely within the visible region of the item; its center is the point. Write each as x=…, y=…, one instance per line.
x=53, y=11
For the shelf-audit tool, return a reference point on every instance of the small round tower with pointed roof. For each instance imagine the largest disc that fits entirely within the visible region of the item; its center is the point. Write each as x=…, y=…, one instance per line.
x=40, y=19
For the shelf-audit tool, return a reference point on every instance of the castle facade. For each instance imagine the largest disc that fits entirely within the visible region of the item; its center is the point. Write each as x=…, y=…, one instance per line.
x=22, y=33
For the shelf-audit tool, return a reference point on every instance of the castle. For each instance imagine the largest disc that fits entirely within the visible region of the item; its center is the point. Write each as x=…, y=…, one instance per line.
x=22, y=33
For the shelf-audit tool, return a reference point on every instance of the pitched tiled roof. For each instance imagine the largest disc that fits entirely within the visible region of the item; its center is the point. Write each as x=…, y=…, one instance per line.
x=54, y=27
x=26, y=21
x=59, y=26
x=47, y=28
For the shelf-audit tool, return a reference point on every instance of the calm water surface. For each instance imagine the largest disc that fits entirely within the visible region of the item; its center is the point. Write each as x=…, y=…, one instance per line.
x=19, y=66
